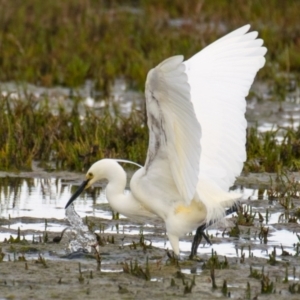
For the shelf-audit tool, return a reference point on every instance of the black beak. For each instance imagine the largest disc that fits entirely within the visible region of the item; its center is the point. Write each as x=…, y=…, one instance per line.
x=78, y=192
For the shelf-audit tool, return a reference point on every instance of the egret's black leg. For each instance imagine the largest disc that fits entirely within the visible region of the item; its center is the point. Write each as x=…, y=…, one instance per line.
x=200, y=231
x=198, y=238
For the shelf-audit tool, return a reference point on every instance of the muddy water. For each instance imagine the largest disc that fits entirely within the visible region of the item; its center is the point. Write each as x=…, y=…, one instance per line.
x=33, y=203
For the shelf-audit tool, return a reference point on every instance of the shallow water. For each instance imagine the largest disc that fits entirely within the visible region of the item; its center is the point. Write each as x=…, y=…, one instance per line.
x=26, y=203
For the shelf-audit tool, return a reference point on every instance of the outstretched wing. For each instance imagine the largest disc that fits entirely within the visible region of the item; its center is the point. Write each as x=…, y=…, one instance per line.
x=220, y=77
x=174, y=132
x=208, y=89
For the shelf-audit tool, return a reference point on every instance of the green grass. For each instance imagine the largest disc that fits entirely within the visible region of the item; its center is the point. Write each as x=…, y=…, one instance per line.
x=66, y=42
x=266, y=154
x=29, y=132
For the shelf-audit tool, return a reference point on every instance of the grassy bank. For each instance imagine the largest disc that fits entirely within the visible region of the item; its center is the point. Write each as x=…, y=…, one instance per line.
x=66, y=42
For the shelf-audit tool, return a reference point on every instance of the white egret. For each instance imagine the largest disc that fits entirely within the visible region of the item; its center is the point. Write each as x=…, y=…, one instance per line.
x=197, y=137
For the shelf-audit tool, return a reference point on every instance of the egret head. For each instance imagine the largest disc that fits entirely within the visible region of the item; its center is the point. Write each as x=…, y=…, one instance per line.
x=98, y=171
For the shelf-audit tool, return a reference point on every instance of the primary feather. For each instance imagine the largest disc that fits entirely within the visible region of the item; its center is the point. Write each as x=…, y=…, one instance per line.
x=220, y=77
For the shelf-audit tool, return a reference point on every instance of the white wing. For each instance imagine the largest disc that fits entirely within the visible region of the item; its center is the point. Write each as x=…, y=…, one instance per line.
x=208, y=89
x=220, y=77
x=174, y=132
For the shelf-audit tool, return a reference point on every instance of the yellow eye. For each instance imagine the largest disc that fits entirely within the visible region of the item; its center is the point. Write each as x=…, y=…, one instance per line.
x=90, y=175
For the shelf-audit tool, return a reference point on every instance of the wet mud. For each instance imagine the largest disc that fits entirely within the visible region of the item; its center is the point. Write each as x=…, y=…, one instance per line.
x=256, y=258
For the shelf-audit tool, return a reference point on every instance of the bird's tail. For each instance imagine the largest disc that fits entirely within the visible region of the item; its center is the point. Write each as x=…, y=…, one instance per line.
x=215, y=199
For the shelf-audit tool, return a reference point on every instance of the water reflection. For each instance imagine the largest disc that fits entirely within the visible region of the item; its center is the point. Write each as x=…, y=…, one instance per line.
x=26, y=202
x=41, y=198
x=32, y=197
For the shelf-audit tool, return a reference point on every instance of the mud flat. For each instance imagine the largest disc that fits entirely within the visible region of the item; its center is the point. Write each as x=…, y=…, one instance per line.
x=254, y=255
x=37, y=271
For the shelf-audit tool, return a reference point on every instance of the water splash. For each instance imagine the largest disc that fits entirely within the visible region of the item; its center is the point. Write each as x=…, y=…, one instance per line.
x=84, y=239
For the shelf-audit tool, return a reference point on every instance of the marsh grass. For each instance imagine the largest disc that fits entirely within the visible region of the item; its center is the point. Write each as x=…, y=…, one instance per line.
x=68, y=140
x=266, y=154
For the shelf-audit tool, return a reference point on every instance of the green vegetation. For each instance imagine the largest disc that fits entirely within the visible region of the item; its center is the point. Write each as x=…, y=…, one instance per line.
x=65, y=42
x=32, y=132
x=50, y=43
x=136, y=270
x=265, y=154
x=214, y=263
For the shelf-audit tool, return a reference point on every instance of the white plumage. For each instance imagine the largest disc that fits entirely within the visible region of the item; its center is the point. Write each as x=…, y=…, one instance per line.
x=197, y=136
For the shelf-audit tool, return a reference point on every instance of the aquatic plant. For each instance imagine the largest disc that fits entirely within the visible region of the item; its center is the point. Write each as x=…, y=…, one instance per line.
x=272, y=257
x=2, y=254
x=80, y=278
x=41, y=260
x=136, y=270
x=214, y=262
x=267, y=286
x=294, y=288
x=188, y=287
x=213, y=278
x=225, y=288
x=266, y=154
x=248, y=291
x=255, y=274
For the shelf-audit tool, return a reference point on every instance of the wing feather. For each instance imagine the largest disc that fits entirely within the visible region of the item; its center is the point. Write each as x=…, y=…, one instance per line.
x=220, y=77
x=174, y=129
x=208, y=89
